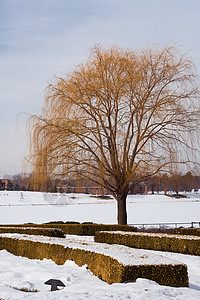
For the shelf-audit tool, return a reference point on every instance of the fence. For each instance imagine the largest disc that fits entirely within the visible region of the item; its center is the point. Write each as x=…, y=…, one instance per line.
x=167, y=225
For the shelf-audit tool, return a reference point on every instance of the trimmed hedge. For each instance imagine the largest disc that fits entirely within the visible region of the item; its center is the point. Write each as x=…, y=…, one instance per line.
x=187, y=231
x=156, y=241
x=81, y=229
x=105, y=267
x=34, y=231
x=170, y=275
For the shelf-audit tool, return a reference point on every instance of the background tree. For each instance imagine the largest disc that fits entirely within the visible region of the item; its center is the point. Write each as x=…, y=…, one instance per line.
x=21, y=181
x=117, y=119
x=9, y=186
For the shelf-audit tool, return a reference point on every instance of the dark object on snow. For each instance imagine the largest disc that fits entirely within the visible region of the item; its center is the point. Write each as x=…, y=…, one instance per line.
x=54, y=284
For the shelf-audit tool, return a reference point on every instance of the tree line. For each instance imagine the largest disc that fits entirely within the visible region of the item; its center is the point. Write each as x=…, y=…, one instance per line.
x=175, y=183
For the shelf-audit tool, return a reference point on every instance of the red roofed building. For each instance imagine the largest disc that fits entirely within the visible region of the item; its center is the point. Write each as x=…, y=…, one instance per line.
x=3, y=184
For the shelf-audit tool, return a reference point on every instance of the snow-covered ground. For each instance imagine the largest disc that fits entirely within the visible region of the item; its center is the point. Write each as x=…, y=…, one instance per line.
x=19, y=272
x=36, y=207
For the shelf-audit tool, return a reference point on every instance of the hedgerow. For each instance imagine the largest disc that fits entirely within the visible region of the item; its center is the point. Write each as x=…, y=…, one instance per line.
x=80, y=229
x=160, y=242
x=187, y=231
x=33, y=231
x=101, y=265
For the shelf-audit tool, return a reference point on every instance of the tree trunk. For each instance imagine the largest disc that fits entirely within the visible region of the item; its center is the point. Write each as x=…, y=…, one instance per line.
x=121, y=206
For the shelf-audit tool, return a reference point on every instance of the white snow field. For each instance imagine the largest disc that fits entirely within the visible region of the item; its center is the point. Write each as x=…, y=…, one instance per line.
x=36, y=207
x=81, y=284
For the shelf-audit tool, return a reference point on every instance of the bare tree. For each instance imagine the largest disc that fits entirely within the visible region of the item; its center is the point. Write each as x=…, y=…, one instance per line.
x=117, y=119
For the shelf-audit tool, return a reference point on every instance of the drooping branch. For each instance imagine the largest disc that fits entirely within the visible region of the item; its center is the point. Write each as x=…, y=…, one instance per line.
x=117, y=119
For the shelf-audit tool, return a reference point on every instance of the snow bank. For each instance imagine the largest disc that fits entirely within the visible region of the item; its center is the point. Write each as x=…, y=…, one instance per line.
x=82, y=285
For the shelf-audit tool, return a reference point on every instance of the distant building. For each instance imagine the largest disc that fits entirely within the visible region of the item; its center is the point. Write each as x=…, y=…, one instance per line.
x=3, y=184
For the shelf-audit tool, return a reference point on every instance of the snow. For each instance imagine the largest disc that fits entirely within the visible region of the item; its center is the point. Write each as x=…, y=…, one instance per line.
x=125, y=255
x=81, y=284
x=21, y=198
x=35, y=207
x=20, y=272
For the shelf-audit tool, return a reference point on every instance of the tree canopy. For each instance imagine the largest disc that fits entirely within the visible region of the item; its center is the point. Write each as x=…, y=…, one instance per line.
x=117, y=119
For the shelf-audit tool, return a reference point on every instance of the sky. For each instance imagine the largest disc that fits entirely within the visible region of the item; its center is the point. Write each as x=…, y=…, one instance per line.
x=41, y=39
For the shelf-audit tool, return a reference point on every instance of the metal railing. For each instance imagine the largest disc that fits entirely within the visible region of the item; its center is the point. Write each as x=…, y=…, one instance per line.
x=167, y=225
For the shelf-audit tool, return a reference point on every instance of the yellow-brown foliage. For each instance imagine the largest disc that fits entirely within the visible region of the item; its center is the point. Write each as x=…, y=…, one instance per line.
x=119, y=118
x=59, y=230
x=103, y=266
x=159, y=242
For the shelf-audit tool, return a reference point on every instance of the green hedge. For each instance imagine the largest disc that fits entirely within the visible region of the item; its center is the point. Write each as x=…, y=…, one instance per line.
x=187, y=231
x=34, y=231
x=156, y=241
x=105, y=267
x=81, y=229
